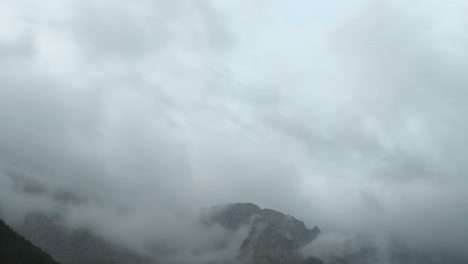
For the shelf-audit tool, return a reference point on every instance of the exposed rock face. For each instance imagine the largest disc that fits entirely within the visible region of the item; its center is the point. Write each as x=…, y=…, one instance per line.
x=74, y=246
x=273, y=237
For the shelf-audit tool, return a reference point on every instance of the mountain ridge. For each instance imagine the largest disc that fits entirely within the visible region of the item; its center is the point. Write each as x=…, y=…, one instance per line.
x=273, y=236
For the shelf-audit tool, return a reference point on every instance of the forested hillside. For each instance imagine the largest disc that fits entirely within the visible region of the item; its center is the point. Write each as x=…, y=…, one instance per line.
x=14, y=249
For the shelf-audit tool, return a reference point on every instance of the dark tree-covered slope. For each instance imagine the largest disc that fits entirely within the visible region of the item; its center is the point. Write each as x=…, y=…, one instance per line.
x=14, y=249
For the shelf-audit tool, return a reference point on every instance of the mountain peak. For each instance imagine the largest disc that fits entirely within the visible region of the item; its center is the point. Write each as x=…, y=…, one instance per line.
x=273, y=236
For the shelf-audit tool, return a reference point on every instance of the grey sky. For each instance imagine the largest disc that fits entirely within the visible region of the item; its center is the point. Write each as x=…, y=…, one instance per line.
x=349, y=115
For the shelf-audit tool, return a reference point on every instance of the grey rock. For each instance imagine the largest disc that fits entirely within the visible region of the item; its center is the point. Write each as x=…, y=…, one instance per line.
x=273, y=237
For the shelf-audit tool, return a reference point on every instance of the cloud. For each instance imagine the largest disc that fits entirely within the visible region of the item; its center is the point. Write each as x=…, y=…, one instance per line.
x=147, y=111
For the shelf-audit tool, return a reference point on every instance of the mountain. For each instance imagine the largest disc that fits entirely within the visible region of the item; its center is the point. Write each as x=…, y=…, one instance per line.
x=276, y=238
x=251, y=235
x=14, y=249
x=74, y=246
x=273, y=236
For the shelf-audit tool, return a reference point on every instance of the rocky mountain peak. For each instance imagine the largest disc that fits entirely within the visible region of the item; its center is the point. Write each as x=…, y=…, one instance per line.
x=273, y=236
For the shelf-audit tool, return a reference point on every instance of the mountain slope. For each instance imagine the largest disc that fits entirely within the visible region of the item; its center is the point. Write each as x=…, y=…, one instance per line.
x=74, y=246
x=273, y=236
x=14, y=249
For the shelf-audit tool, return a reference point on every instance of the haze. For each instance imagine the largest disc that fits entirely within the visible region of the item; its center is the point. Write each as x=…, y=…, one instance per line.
x=349, y=115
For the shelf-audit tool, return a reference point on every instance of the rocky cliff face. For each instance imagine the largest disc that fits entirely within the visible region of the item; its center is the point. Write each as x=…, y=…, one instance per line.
x=273, y=237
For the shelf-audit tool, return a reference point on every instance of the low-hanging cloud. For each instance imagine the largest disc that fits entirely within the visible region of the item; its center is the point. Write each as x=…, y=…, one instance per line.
x=141, y=113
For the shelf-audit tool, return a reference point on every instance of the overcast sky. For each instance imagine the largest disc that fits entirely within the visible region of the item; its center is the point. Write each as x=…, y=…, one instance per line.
x=348, y=114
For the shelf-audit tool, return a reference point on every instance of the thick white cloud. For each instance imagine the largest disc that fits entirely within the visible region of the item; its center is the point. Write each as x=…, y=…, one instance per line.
x=149, y=110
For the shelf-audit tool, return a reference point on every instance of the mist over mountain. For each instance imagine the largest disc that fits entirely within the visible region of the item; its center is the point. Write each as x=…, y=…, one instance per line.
x=122, y=119
x=75, y=246
x=240, y=233
x=272, y=238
